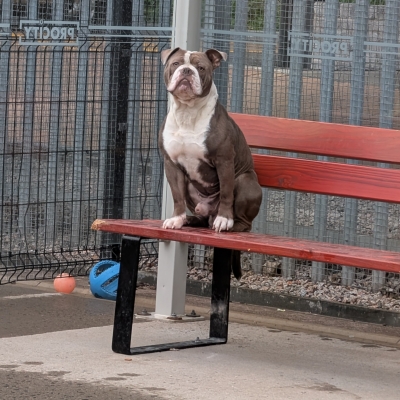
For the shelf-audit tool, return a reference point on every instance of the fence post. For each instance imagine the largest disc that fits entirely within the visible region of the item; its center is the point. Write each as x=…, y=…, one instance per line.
x=222, y=25
x=77, y=193
x=294, y=102
x=6, y=14
x=331, y=11
x=23, y=190
x=265, y=108
x=356, y=111
x=103, y=131
x=172, y=256
x=133, y=181
x=239, y=57
x=55, y=110
x=119, y=64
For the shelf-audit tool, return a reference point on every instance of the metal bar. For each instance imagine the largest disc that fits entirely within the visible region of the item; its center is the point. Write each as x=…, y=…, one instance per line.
x=156, y=169
x=208, y=24
x=222, y=23
x=285, y=23
x=5, y=190
x=125, y=301
x=175, y=346
x=106, y=238
x=25, y=197
x=54, y=135
x=388, y=77
x=220, y=291
x=294, y=102
x=356, y=111
x=239, y=57
x=77, y=194
x=120, y=50
x=265, y=108
x=133, y=183
x=268, y=59
x=331, y=11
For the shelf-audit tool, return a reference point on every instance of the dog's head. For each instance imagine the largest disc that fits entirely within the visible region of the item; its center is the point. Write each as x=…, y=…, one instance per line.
x=189, y=74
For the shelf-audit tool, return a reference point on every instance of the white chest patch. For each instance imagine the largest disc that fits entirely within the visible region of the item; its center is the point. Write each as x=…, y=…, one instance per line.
x=186, y=148
x=185, y=133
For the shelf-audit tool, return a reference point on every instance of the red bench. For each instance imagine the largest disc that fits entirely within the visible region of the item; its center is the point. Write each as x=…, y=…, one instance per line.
x=280, y=172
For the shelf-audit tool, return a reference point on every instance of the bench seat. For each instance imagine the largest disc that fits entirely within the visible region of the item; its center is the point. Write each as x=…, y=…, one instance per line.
x=259, y=243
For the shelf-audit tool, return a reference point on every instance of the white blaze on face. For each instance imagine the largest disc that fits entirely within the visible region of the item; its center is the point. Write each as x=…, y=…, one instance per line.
x=193, y=78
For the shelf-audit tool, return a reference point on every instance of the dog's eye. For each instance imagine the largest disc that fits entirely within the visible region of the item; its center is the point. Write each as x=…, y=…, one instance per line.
x=175, y=63
x=201, y=68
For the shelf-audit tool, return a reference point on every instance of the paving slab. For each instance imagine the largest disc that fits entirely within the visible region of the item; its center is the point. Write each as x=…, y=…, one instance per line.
x=59, y=347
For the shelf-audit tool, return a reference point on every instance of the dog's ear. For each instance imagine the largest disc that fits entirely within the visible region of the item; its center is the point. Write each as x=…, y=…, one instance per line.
x=166, y=54
x=215, y=57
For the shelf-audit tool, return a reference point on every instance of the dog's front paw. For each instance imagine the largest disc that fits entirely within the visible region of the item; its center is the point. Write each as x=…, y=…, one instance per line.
x=175, y=222
x=222, y=224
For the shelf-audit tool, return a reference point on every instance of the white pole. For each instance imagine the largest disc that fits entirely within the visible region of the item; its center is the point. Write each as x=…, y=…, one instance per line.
x=172, y=256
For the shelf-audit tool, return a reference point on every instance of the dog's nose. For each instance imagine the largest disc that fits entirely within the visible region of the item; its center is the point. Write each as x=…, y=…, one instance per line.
x=186, y=71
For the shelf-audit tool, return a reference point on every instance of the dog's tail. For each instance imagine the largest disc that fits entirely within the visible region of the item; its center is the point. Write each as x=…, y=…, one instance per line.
x=236, y=266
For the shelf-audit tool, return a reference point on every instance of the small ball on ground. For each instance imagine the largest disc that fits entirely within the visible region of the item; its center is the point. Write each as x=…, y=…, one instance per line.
x=64, y=283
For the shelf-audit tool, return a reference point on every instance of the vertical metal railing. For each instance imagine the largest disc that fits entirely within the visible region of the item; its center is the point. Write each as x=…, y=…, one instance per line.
x=133, y=176
x=356, y=112
x=222, y=26
x=5, y=46
x=331, y=11
x=239, y=56
x=294, y=104
x=55, y=109
x=265, y=108
x=77, y=195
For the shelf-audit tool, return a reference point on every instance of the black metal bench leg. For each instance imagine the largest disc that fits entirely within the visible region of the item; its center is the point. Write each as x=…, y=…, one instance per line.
x=220, y=291
x=122, y=335
x=125, y=302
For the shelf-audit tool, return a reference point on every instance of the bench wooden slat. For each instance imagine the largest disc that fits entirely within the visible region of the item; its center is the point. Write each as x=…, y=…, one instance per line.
x=328, y=178
x=337, y=140
x=259, y=243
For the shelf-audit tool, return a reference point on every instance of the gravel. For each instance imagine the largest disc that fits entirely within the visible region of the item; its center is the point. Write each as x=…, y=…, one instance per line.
x=359, y=293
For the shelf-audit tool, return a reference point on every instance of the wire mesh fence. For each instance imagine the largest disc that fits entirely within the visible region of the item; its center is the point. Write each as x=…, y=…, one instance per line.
x=80, y=107
x=71, y=151
x=333, y=61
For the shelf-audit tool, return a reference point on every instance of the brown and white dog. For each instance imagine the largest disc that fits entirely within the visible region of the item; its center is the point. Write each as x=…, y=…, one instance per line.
x=207, y=161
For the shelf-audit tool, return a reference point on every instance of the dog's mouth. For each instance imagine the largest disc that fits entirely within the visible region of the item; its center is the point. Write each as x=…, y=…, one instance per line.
x=184, y=83
x=184, y=87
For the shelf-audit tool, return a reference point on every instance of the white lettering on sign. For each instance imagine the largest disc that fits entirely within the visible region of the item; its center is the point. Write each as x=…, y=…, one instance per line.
x=53, y=33
x=319, y=46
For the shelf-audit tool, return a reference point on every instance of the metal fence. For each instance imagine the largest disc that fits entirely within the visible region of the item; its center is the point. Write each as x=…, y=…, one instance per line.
x=79, y=117
x=80, y=107
x=333, y=61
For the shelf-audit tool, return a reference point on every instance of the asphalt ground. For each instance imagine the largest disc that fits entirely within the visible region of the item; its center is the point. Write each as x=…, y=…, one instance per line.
x=55, y=346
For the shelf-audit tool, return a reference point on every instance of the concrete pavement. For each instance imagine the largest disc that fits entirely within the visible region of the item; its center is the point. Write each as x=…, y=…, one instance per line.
x=56, y=346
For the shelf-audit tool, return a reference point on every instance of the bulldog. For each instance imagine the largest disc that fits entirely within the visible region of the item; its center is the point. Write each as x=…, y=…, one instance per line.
x=207, y=161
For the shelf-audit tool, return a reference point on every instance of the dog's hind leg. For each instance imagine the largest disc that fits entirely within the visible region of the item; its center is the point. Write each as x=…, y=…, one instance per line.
x=248, y=197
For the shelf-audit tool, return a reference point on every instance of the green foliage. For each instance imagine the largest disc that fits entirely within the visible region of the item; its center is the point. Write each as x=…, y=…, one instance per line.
x=256, y=15
x=255, y=19
x=150, y=11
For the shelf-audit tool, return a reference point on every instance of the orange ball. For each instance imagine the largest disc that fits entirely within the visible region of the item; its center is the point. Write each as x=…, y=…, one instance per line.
x=64, y=283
